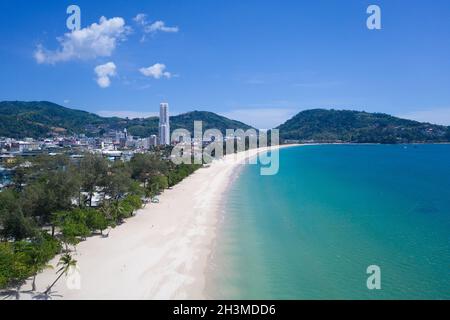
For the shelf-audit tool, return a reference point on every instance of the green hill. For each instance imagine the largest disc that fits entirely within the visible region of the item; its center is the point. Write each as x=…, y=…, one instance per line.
x=210, y=121
x=148, y=126
x=42, y=119
x=320, y=125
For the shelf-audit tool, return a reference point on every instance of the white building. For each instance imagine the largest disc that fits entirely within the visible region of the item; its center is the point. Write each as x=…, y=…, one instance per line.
x=164, y=124
x=153, y=140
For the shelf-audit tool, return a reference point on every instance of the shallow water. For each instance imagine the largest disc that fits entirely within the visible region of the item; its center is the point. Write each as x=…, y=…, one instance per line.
x=311, y=231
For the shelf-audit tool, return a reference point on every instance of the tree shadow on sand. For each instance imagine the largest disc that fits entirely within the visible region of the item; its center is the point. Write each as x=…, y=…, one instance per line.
x=18, y=294
x=46, y=296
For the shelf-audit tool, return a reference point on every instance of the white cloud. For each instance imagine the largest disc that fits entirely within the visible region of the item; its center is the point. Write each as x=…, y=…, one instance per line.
x=436, y=116
x=160, y=26
x=97, y=40
x=141, y=18
x=156, y=71
x=266, y=118
x=127, y=114
x=104, y=72
x=152, y=27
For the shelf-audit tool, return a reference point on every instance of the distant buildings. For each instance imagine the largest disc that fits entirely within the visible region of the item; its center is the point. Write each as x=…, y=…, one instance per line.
x=24, y=146
x=164, y=124
x=153, y=140
x=114, y=144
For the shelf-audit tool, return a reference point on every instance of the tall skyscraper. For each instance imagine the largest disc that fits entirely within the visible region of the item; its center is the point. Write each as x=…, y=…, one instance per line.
x=164, y=124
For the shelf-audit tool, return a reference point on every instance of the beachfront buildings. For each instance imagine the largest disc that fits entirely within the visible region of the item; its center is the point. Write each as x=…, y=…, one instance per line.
x=164, y=124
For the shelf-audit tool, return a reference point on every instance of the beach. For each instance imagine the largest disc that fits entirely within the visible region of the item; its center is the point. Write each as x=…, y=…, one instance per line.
x=161, y=253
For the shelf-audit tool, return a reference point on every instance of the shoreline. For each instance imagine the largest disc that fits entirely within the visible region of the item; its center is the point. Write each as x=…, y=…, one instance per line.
x=164, y=252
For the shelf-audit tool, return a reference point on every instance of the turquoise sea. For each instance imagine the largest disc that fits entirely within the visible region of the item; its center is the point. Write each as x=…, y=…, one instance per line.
x=311, y=231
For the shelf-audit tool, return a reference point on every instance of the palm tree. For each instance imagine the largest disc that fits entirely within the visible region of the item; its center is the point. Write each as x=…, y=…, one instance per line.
x=66, y=262
x=38, y=265
x=114, y=211
x=119, y=210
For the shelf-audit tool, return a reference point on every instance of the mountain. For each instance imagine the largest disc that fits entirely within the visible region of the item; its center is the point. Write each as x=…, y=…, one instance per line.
x=320, y=125
x=210, y=120
x=43, y=119
x=40, y=119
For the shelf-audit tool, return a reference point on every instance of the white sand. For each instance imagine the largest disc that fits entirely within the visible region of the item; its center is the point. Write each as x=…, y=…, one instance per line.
x=163, y=252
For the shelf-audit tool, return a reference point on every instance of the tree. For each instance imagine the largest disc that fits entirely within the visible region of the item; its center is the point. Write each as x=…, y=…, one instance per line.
x=136, y=189
x=20, y=177
x=13, y=224
x=107, y=211
x=157, y=184
x=117, y=211
x=21, y=259
x=70, y=233
x=52, y=192
x=144, y=166
x=96, y=220
x=134, y=202
x=6, y=264
x=73, y=232
x=73, y=226
x=180, y=172
x=12, y=270
x=93, y=171
x=37, y=253
x=46, y=163
x=66, y=262
x=118, y=181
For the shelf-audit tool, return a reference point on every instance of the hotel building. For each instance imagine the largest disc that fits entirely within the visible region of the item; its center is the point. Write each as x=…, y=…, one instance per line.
x=164, y=124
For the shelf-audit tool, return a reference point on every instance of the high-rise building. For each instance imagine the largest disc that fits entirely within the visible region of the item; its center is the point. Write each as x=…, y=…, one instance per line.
x=153, y=140
x=164, y=124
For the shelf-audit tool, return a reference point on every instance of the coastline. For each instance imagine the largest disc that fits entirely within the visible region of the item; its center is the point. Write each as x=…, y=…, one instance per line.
x=163, y=252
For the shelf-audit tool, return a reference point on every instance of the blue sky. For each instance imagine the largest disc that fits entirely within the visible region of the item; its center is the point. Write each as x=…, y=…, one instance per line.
x=255, y=61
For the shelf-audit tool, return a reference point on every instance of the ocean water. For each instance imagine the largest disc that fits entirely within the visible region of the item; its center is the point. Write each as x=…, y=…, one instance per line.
x=311, y=231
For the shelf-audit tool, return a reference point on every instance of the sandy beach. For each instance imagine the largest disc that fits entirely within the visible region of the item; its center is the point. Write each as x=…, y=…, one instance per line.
x=162, y=252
